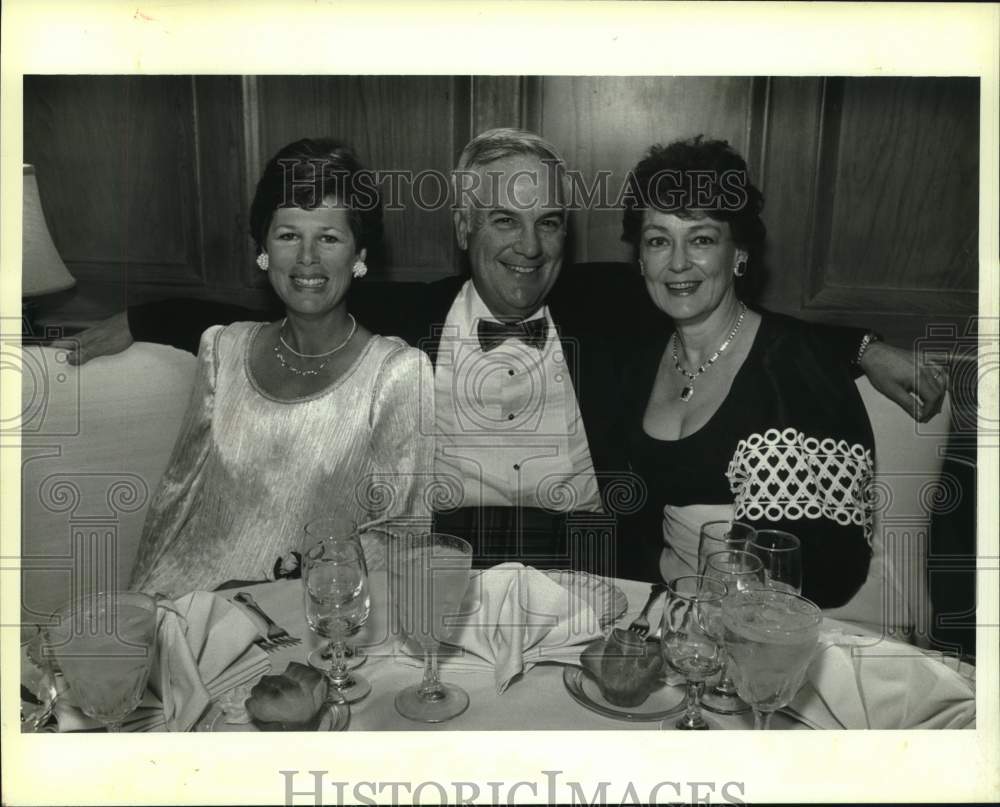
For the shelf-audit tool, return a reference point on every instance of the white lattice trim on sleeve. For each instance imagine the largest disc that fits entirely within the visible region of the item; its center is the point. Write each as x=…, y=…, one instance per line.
x=783, y=474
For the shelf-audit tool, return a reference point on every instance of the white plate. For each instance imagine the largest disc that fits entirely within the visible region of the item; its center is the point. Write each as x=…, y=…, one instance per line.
x=335, y=718
x=661, y=703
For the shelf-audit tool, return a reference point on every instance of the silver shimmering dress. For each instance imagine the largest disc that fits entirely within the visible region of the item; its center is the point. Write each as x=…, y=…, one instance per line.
x=248, y=471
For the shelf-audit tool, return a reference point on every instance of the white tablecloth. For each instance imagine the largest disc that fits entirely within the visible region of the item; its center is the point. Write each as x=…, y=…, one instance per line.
x=538, y=700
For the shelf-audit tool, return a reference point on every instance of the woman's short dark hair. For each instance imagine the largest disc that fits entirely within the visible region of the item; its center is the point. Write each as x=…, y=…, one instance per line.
x=694, y=176
x=306, y=172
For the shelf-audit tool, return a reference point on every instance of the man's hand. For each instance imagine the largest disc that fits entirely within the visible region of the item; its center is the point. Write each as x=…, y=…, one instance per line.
x=919, y=389
x=107, y=337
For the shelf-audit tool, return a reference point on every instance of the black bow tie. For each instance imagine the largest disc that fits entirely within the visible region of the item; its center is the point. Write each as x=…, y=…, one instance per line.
x=531, y=332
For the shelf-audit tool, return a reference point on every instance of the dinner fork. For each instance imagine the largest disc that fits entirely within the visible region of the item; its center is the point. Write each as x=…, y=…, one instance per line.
x=640, y=625
x=277, y=637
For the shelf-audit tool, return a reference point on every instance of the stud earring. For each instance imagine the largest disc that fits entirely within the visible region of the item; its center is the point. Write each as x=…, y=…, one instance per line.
x=740, y=268
x=360, y=269
x=263, y=261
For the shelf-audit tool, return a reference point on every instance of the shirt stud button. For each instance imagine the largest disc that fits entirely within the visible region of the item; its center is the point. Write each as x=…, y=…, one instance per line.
x=517, y=466
x=510, y=416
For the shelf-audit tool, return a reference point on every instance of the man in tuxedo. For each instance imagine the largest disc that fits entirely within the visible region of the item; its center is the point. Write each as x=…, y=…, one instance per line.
x=530, y=462
x=524, y=369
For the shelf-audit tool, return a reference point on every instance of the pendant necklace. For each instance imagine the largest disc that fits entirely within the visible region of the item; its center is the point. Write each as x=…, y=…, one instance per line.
x=325, y=355
x=688, y=392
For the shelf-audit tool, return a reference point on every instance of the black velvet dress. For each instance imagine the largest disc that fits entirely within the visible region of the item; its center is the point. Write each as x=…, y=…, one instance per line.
x=791, y=447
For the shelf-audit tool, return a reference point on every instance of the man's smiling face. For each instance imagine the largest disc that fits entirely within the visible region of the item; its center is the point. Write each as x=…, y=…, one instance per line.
x=514, y=234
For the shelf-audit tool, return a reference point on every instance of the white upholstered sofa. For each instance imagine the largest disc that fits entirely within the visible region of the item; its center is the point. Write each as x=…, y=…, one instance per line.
x=96, y=440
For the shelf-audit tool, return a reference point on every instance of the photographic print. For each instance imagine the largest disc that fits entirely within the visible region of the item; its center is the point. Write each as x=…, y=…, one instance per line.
x=532, y=405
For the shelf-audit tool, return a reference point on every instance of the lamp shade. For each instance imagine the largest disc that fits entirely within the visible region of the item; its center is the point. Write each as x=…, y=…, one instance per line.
x=42, y=270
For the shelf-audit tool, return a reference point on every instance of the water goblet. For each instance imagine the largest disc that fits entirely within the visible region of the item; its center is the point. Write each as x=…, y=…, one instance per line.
x=103, y=643
x=38, y=680
x=771, y=637
x=781, y=554
x=740, y=571
x=691, y=638
x=337, y=605
x=717, y=536
x=429, y=574
x=334, y=527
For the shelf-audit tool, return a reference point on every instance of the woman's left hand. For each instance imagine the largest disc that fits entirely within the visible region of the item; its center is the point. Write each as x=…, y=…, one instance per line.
x=917, y=388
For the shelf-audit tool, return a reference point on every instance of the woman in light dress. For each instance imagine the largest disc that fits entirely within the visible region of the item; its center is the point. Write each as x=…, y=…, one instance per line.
x=305, y=417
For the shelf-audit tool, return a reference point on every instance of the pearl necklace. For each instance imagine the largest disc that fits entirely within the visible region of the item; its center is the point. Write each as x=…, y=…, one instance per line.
x=298, y=371
x=688, y=392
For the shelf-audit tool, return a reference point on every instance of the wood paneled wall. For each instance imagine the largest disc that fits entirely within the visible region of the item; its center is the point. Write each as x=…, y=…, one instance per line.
x=135, y=201
x=872, y=201
x=395, y=123
x=607, y=123
x=871, y=183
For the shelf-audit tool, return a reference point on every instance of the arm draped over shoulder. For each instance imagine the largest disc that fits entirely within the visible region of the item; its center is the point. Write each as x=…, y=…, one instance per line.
x=181, y=322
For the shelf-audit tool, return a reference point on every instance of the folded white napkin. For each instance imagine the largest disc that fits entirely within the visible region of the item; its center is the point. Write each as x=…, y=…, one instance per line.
x=204, y=648
x=514, y=616
x=867, y=682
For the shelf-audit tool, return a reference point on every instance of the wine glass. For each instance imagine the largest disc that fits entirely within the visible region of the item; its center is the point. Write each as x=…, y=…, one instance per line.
x=771, y=637
x=740, y=571
x=337, y=603
x=781, y=554
x=333, y=527
x=691, y=638
x=38, y=677
x=430, y=573
x=717, y=536
x=103, y=643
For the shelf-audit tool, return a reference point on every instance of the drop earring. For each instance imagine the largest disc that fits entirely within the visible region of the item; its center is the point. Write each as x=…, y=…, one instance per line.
x=263, y=261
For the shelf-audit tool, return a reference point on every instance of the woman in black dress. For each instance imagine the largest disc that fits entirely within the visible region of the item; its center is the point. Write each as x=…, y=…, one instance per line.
x=734, y=412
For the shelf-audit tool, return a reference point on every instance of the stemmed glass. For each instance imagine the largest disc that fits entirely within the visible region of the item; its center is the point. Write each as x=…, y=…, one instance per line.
x=717, y=536
x=334, y=528
x=103, y=644
x=771, y=636
x=430, y=573
x=740, y=571
x=337, y=603
x=781, y=554
x=38, y=678
x=691, y=638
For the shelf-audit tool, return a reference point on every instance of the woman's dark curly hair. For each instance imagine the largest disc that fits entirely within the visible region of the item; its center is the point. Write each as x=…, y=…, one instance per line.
x=303, y=174
x=689, y=177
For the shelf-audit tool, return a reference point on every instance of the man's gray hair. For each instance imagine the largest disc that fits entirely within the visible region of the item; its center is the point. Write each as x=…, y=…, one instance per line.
x=498, y=144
